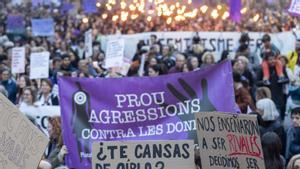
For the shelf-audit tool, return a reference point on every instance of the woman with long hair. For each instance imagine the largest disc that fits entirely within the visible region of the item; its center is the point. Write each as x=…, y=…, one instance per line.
x=272, y=147
x=56, y=149
x=22, y=82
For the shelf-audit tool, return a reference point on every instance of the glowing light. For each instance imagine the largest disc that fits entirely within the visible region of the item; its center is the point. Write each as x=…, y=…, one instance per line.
x=98, y=4
x=204, y=8
x=169, y=20
x=225, y=15
x=244, y=10
x=219, y=7
x=190, y=1
x=104, y=16
x=108, y=7
x=214, y=14
x=149, y=18
x=123, y=5
x=256, y=18
x=132, y=7
x=115, y=18
x=85, y=20
x=134, y=16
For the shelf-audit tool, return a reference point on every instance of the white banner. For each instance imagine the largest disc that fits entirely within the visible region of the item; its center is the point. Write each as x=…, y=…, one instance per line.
x=39, y=65
x=88, y=43
x=215, y=41
x=18, y=60
x=114, y=53
x=40, y=114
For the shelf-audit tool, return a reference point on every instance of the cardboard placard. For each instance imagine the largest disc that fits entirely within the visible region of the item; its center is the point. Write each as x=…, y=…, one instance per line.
x=143, y=154
x=39, y=65
x=18, y=60
x=21, y=143
x=229, y=141
x=114, y=53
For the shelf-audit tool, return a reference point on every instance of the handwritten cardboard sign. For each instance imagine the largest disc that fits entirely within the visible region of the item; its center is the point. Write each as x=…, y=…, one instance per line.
x=114, y=53
x=229, y=141
x=18, y=60
x=39, y=65
x=143, y=154
x=21, y=143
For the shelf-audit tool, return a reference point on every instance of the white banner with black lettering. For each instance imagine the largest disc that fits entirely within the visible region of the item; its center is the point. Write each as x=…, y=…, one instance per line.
x=215, y=41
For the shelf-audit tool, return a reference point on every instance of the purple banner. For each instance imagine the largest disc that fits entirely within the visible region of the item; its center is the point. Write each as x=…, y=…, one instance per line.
x=139, y=108
x=235, y=10
x=15, y=24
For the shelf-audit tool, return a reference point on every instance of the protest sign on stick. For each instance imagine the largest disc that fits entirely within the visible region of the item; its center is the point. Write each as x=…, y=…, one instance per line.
x=143, y=154
x=18, y=60
x=39, y=65
x=21, y=143
x=229, y=141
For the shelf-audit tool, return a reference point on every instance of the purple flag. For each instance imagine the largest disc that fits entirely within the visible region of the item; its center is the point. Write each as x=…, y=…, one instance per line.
x=235, y=10
x=139, y=108
x=15, y=24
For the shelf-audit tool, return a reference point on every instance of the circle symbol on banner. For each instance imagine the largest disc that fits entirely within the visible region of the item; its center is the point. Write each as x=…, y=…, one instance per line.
x=80, y=98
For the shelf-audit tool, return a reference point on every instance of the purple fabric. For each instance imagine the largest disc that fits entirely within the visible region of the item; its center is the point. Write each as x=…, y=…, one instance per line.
x=15, y=24
x=92, y=105
x=89, y=6
x=66, y=7
x=235, y=10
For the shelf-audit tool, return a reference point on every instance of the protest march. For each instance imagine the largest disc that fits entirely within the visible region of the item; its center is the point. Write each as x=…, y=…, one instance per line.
x=149, y=84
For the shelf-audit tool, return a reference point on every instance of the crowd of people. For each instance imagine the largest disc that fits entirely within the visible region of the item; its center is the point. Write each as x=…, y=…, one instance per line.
x=267, y=84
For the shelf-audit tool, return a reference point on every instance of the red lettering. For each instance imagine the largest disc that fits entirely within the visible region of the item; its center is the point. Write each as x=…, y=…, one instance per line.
x=244, y=145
